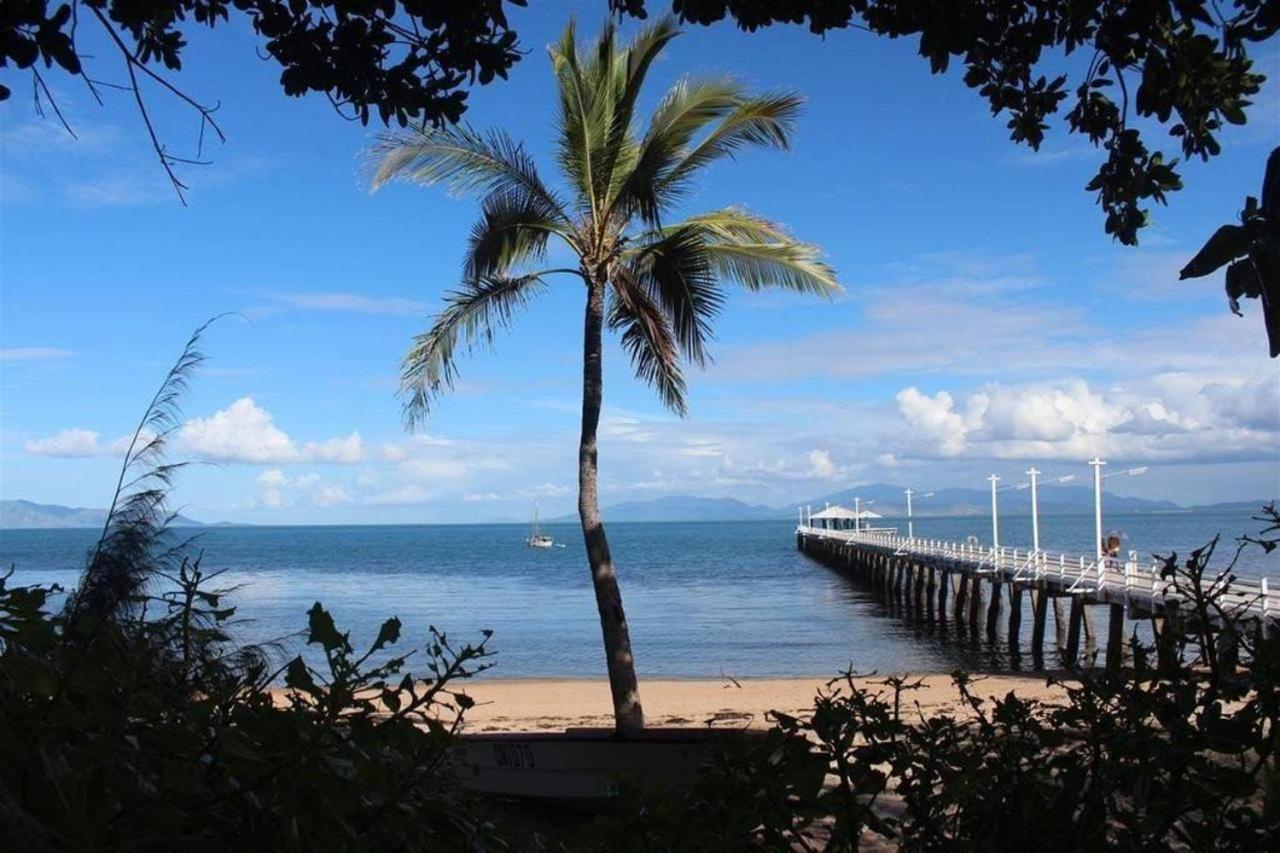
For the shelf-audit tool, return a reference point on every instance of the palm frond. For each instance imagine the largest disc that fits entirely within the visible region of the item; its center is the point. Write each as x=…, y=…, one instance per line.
x=764, y=121
x=134, y=546
x=463, y=160
x=577, y=124
x=675, y=273
x=473, y=313
x=648, y=339
x=621, y=150
x=756, y=253
x=514, y=226
x=687, y=108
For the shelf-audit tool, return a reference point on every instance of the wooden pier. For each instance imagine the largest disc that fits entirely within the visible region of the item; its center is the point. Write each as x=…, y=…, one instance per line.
x=943, y=581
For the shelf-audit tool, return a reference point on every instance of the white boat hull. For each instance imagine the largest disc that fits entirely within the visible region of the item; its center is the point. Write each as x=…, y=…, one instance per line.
x=582, y=766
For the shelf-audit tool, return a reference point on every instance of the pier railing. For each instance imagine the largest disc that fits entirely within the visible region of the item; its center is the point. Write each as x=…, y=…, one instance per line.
x=1130, y=579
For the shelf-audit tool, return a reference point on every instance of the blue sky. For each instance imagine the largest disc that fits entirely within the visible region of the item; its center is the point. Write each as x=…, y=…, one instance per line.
x=988, y=322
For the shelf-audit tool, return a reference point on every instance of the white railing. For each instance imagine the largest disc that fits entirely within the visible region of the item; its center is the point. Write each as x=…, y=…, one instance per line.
x=1127, y=578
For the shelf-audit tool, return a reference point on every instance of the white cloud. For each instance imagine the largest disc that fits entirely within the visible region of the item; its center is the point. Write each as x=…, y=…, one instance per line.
x=546, y=490
x=411, y=493
x=273, y=478
x=242, y=432
x=329, y=495
x=82, y=442
x=123, y=189
x=67, y=443
x=1177, y=417
x=355, y=303
x=245, y=432
x=821, y=465
x=347, y=451
x=276, y=489
x=934, y=418
x=10, y=354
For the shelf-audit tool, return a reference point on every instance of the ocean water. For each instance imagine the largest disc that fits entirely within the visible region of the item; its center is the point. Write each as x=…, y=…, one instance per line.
x=704, y=599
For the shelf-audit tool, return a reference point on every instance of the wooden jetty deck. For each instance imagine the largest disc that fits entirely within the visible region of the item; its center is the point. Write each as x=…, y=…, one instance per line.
x=928, y=572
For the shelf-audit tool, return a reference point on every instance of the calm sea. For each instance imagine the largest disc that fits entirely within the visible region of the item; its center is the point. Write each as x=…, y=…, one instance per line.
x=703, y=598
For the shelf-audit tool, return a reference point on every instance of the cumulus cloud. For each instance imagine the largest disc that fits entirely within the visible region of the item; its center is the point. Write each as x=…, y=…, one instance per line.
x=354, y=303
x=242, y=432
x=821, y=465
x=246, y=432
x=1170, y=418
x=9, y=354
x=68, y=443
x=276, y=489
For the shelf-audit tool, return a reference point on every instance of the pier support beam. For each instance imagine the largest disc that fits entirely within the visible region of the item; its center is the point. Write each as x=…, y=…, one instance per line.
x=1039, y=609
x=993, y=606
x=930, y=589
x=962, y=596
x=1059, y=622
x=1015, y=617
x=1090, y=631
x=1071, y=654
x=975, y=601
x=1115, y=638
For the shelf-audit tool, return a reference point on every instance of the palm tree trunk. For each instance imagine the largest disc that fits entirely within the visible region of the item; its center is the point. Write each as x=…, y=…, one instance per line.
x=627, y=712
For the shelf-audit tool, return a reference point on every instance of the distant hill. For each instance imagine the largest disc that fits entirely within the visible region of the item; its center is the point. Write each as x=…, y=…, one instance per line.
x=683, y=508
x=888, y=501
x=1235, y=506
x=17, y=514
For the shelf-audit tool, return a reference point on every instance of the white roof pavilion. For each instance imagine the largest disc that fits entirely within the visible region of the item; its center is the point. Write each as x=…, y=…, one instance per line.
x=843, y=513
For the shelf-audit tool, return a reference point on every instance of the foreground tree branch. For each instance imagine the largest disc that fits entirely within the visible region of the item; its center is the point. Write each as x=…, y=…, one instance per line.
x=402, y=60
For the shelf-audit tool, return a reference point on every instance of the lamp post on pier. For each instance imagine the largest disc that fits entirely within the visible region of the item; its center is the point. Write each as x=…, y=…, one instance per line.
x=1035, y=512
x=1035, y=503
x=911, y=530
x=1115, y=633
x=1098, y=477
x=1097, y=497
x=1097, y=464
x=857, y=512
x=995, y=515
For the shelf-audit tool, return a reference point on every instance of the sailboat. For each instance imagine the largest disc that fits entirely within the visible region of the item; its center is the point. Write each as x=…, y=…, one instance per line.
x=538, y=539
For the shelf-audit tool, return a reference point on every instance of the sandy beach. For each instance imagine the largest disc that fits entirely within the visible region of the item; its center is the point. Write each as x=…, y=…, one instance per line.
x=529, y=705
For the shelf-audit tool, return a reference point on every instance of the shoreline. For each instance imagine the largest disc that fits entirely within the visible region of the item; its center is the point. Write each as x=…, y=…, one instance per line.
x=554, y=704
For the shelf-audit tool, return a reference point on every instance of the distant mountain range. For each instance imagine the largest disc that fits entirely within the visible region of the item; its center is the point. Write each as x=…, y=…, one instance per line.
x=890, y=502
x=25, y=514
x=683, y=508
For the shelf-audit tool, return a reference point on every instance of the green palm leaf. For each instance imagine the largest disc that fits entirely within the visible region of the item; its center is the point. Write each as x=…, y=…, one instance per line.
x=676, y=273
x=513, y=229
x=765, y=121
x=756, y=253
x=648, y=340
x=463, y=160
x=689, y=106
x=474, y=312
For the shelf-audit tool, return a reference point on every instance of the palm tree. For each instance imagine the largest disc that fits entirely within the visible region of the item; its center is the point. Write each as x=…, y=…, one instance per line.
x=659, y=285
